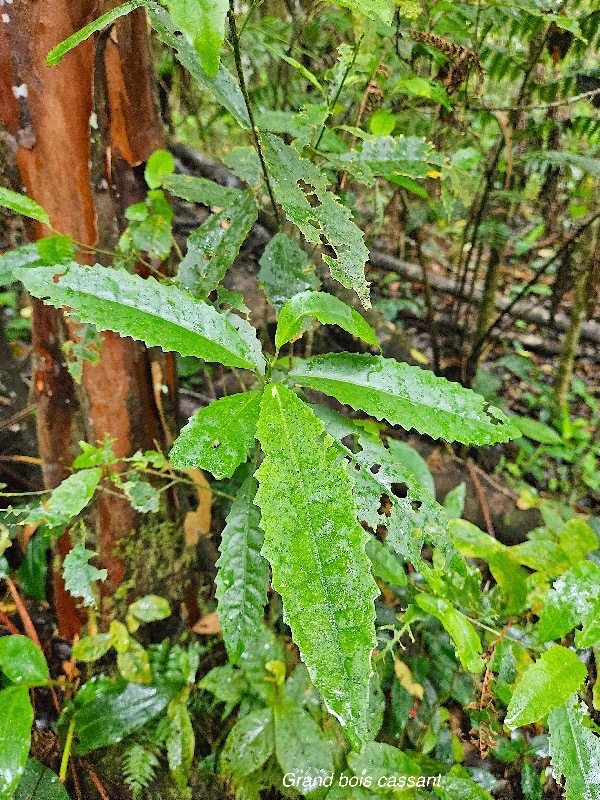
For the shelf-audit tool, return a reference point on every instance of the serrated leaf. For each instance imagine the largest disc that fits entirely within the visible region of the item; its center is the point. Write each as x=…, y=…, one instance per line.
x=202, y=22
x=545, y=685
x=39, y=783
x=218, y=437
x=22, y=662
x=107, y=712
x=317, y=553
x=570, y=601
x=243, y=576
x=16, y=719
x=68, y=499
x=414, y=462
x=405, y=395
x=181, y=741
x=575, y=751
x=377, y=476
x=461, y=631
x=223, y=86
x=150, y=608
x=328, y=310
x=213, y=247
x=295, y=181
x=142, y=495
x=201, y=190
x=91, y=648
x=79, y=575
x=250, y=743
x=21, y=257
x=300, y=745
x=380, y=10
x=159, y=315
x=388, y=157
x=160, y=164
x=285, y=270
x=21, y=204
x=56, y=55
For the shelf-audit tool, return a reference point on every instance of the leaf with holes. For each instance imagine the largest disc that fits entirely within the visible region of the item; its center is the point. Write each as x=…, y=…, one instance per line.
x=213, y=246
x=219, y=436
x=575, y=751
x=317, y=553
x=301, y=190
x=285, y=270
x=243, y=577
x=159, y=315
x=405, y=395
x=328, y=310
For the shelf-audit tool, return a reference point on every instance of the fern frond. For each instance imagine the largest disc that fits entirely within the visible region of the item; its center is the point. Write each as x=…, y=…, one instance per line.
x=139, y=768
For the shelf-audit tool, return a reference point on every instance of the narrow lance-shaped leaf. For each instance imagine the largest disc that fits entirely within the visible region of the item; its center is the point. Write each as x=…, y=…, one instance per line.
x=545, y=685
x=219, y=436
x=22, y=204
x=224, y=88
x=213, y=246
x=201, y=190
x=296, y=181
x=461, y=631
x=285, y=270
x=56, y=55
x=405, y=395
x=317, y=553
x=16, y=719
x=575, y=751
x=328, y=310
x=243, y=576
x=159, y=315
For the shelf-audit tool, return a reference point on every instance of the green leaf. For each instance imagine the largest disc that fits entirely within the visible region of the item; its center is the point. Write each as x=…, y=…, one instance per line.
x=68, y=499
x=380, y=10
x=316, y=550
x=16, y=719
x=218, y=437
x=285, y=270
x=34, y=568
x=107, y=712
x=79, y=575
x=21, y=204
x=141, y=494
x=201, y=190
x=22, y=661
x=412, y=519
x=388, y=157
x=21, y=257
x=55, y=249
x=243, y=576
x=133, y=663
x=181, y=741
x=39, y=783
x=328, y=310
x=385, y=564
x=382, y=122
x=91, y=648
x=530, y=782
x=454, y=787
x=381, y=762
x=202, y=22
x=150, y=608
x=213, y=247
x=570, y=601
x=406, y=396
x=454, y=502
x=55, y=56
x=160, y=164
x=223, y=86
x=296, y=181
x=575, y=751
x=414, y=462
x=300, y=745
x=250, y=743
x=589, y=635
x=147, y=310
x=461, y=631
x=545, y=685
x=535, y=430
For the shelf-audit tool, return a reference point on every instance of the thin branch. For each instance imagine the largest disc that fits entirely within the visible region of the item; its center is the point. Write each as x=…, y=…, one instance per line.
x=567, y=101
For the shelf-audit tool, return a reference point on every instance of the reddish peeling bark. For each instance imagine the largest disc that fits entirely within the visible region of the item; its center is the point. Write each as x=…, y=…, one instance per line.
x=84, y=192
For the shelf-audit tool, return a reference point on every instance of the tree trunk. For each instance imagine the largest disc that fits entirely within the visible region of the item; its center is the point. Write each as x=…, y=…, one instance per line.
x=84, y=188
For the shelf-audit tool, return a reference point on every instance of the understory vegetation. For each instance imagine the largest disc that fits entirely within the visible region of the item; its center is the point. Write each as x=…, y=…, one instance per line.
x=357, y=552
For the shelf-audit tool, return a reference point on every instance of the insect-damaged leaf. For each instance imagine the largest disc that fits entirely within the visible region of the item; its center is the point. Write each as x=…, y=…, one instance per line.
x=317, y=553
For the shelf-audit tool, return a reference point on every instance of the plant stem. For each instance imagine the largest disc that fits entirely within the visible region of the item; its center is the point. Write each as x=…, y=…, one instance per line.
x=235, y=42
x=64, y=764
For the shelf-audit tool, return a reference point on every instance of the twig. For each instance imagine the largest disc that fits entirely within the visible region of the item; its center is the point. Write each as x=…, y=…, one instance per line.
x=542, y=107
x=482, y=499
x=96, y=781
x=8, y=624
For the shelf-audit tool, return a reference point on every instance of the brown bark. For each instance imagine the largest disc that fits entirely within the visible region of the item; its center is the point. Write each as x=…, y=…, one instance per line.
x=51, y=123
